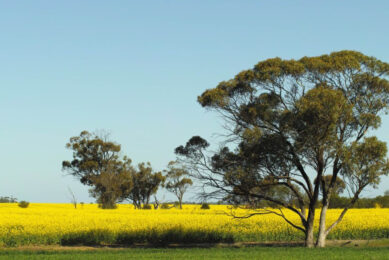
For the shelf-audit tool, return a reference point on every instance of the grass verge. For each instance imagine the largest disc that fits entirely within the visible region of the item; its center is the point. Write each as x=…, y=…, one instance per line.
x=204, y=253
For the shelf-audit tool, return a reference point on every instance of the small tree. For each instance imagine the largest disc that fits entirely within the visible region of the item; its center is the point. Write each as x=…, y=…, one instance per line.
x=145, y=183
x=176, y=181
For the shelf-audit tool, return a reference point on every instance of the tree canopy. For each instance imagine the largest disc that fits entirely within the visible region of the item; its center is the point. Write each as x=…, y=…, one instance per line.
x=145, y=183
x=177, y=180
x=96, y=163
x=91, y=156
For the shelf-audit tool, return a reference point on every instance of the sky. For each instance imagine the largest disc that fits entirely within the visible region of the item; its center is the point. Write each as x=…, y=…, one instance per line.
x=135, y=69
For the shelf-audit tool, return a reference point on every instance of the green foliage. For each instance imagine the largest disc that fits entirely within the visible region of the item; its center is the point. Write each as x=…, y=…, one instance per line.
x=113, y=184
x=145, y=184
x=365, y=162
x=92, y=154
x=147, y=206
x=205, y=206
x=23, y=204
x=319, y=113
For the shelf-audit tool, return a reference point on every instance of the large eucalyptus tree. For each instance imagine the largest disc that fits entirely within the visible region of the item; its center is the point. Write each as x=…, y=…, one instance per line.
x=296, y=126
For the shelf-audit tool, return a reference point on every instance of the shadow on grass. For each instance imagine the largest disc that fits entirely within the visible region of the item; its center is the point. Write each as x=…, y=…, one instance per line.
x=153, y=237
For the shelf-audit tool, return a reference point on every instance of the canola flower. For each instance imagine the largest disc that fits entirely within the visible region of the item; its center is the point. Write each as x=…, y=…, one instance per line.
x=45, y=224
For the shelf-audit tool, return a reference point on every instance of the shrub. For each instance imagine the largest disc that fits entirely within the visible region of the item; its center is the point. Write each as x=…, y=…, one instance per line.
x=165, y=206
x=107, y=206
x=146, y=206
x=24, y=204
x=205, y=206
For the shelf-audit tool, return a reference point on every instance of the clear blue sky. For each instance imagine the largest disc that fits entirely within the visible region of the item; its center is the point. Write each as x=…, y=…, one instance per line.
x=135, y=68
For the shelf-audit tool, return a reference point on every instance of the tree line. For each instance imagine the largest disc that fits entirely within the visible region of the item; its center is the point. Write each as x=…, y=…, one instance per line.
x=97, y=163
x=339, y=202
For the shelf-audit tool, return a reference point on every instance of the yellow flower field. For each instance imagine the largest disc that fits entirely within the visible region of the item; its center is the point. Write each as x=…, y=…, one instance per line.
x=62, y=224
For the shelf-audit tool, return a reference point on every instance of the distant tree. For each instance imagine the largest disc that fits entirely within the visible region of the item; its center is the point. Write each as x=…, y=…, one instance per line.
x=177, y=181
x=290, y=123
x=96, y=163
x=8, y=200
x=341, y=202
x=338, y=187
x=383, y=201
x=386, y=193
x=145, y=183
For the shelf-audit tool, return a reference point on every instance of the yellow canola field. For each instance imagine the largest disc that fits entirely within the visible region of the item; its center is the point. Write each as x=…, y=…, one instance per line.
x=62, y=224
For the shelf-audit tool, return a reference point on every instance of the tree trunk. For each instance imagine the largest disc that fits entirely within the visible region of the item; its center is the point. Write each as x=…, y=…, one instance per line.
x=180, y=200
x=108, y=204
x=321, y=239
x=309, y=238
